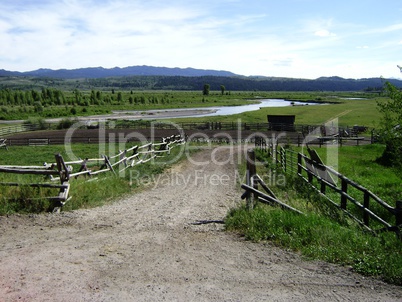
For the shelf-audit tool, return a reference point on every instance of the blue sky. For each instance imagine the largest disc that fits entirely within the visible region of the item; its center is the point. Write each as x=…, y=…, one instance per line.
x=287, y=38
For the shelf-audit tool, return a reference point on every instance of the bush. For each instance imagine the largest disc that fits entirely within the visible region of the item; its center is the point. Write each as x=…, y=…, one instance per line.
x=66, y=123
x=391, y=127
x=37, y=123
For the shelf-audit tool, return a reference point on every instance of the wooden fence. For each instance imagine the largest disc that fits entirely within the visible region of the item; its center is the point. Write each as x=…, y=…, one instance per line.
x=3, y=143
x=63, y=172
x=359, y=203
x=251, y=187
x=59, y=169
x=319, y=134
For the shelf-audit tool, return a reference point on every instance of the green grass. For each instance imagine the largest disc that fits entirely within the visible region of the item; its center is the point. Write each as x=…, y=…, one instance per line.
x=359, y=164
x=318, y=237
x=323, y=232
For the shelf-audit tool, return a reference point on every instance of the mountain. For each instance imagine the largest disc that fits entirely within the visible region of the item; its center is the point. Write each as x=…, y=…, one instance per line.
x=164, y=78
x=100, y=72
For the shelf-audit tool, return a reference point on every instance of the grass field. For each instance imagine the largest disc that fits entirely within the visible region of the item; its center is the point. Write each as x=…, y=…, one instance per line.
x=351, y=108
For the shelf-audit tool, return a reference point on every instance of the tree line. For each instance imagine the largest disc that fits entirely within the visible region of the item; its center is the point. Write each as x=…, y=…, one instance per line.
x=235, y=83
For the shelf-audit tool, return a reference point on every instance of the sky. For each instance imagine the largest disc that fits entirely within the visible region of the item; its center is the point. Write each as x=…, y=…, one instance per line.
x=286, y=38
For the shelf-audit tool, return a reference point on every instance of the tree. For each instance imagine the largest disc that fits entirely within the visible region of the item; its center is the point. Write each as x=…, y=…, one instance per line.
x=391, y=126
x=223, y=89
x=206, y=89
x=119, y=97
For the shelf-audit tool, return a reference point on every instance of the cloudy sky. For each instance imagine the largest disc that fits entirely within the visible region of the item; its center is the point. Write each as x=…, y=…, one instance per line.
x=286, y=38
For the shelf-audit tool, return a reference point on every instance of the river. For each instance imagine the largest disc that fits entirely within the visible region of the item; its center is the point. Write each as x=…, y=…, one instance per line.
x=203, y=111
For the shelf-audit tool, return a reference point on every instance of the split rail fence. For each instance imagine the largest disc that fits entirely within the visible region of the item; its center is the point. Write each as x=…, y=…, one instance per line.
x=63, y=172
x=356, y=201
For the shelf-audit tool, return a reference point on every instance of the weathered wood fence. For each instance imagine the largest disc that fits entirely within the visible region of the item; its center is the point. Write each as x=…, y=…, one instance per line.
x=3, y=143
x=59, y=169
x=252, y=192
x=63, y=172
x=356, y=201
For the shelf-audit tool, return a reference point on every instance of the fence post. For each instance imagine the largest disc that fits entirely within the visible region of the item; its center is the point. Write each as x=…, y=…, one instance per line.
x=398, y=212
x=251, y=172
x=309, y=176
x=344, y=190
x=64, y=172
x=286, y=160
x=299, y=163
x=366, y=203
x=323, y=187
x=291, y=162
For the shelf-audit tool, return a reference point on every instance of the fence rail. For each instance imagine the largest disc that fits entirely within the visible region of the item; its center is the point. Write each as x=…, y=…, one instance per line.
x=355, y=200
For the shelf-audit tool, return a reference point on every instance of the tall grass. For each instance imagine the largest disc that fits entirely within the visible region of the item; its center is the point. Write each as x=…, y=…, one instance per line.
x=323, y=232
x=319, y=237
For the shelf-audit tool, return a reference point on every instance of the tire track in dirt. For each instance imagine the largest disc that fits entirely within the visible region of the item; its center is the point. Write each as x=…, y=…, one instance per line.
x=146, y=248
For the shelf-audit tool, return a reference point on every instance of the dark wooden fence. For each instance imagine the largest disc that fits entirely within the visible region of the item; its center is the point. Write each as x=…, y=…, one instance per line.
x=359, y=203
x=319, y=134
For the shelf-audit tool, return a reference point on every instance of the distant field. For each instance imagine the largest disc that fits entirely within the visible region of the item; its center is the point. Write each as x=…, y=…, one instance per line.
x=350, y=108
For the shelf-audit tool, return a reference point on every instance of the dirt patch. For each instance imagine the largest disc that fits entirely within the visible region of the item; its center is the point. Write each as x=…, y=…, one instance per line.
x=151, y=247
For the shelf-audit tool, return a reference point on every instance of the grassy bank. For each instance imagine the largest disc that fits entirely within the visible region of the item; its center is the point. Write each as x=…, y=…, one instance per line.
x=323, y=232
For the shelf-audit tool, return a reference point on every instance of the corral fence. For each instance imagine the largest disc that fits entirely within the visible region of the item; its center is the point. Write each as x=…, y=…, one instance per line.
x=296, y=134
x=45, y=140
x=7, y=130
x=280, y=127
x=356, y=201
x=63, y=172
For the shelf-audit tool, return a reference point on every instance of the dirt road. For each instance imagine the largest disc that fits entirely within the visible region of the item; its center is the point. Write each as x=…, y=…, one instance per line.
x=147, y=248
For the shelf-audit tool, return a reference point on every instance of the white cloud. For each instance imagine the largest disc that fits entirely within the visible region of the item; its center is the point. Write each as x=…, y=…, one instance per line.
x=324, y=33
x=226, y=34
